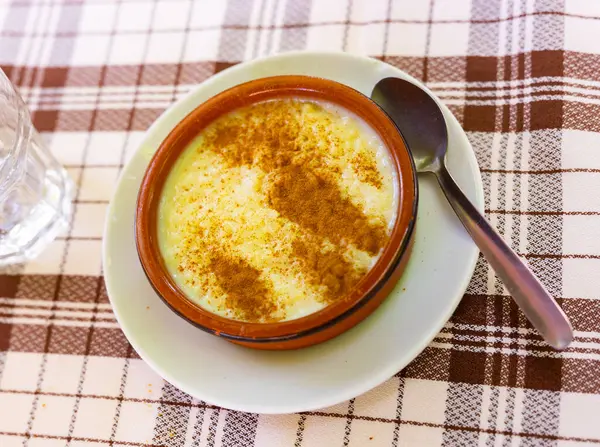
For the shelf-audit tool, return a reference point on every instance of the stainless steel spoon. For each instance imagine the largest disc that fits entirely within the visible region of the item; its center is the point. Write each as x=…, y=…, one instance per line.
x=422, y=124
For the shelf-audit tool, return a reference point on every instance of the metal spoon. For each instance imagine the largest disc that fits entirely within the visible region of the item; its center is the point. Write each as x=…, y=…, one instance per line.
x=422, y=124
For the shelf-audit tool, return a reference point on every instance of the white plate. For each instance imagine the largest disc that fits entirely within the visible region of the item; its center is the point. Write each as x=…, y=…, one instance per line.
x=238, y=378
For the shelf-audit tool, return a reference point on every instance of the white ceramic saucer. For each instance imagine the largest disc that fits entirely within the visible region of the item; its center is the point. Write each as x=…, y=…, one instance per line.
x=238, y=378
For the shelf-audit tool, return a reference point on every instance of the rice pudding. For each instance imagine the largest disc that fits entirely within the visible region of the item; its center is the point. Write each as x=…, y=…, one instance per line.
x=276, y=210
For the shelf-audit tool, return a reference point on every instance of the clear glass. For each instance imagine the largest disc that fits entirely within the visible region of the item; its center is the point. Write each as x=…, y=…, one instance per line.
x=35, y=190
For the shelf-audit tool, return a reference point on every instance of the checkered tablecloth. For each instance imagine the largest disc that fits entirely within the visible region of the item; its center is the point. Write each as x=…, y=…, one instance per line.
x=522, y=76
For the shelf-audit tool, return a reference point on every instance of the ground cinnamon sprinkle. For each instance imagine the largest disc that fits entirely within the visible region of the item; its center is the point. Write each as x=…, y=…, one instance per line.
x=295, y=161
x=247, y=294
x=302, y=188
x=365, y=167
x=316, y=203
x=327, y=268
x=267, y=136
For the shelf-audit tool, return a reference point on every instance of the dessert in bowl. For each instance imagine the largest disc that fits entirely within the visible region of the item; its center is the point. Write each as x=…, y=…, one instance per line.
x=279, y=213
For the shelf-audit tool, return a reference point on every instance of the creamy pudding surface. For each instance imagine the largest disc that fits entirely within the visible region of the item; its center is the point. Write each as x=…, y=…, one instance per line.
x=277, y=210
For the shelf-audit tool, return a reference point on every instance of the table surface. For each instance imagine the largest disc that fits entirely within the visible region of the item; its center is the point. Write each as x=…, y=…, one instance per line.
x=523, y=78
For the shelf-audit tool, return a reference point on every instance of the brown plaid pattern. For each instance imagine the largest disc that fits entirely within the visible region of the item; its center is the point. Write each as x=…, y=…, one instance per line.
x=522, y=76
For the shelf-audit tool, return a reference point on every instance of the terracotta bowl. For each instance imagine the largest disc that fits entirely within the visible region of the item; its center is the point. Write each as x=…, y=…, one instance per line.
x=334, y=319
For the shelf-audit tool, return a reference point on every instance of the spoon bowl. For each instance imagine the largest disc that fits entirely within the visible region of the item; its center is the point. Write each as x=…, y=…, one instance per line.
x=427, y=133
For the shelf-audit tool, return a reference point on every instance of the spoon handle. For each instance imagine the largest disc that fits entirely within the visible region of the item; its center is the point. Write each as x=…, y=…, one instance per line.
x=528, y=292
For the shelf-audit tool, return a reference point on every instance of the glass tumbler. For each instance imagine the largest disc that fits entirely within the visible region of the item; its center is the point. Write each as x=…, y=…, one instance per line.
x=35, y=190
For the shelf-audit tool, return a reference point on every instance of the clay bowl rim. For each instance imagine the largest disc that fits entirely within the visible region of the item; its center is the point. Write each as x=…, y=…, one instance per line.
x=181, y=135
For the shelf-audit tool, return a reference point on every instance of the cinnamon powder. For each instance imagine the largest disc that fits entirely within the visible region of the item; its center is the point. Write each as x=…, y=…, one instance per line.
x=246, y=292
x=302, y=187
x=327, y=268
x=365, y=167
x=316, y=203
